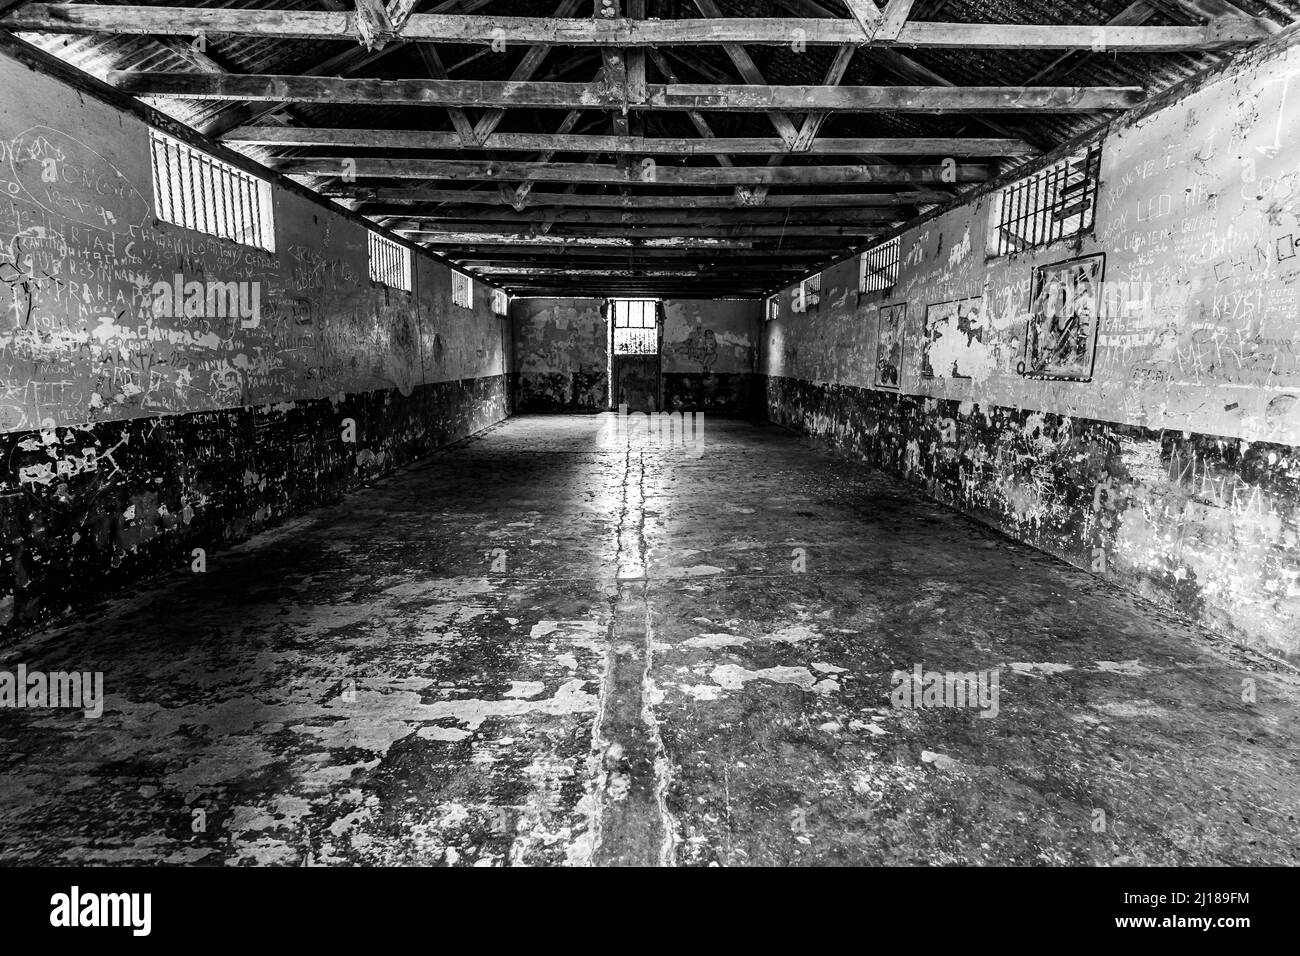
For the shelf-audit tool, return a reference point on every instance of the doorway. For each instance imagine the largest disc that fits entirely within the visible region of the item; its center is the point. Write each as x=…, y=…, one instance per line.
x=635, y=336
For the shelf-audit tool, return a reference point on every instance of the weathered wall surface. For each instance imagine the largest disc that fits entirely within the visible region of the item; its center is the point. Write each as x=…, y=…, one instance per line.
x=561, y=355
x=710, y=355
x=132, y=435
x=1172, y=465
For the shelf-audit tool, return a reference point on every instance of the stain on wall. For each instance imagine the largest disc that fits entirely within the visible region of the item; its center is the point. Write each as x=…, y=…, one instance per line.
x=1173, y=467
x=710, y=355
x=137, y=423
x=708, y=360
x=561, y=355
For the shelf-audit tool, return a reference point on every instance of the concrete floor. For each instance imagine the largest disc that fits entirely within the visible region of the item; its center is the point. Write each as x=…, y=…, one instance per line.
x=550, y=646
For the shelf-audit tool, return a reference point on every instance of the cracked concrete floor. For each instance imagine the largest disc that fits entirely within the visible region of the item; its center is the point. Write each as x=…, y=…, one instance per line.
x=549, y=645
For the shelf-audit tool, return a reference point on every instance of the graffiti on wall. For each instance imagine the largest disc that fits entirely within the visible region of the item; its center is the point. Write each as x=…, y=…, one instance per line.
x=1140, y=413
x=1064, y=315
x=701, y=346
x=57, y=172
x=889, y=346
x=106, y=313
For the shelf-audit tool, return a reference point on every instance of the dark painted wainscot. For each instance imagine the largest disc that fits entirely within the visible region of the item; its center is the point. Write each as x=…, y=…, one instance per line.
x=1221, y=517
x=87, y=510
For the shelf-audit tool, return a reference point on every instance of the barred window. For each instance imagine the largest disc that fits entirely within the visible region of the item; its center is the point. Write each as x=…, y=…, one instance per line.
x=200, y=192
x=880, y=266
x=808, y=293
x=636, y=327
x=390, y=262
x=500, y=303
x=462, y=290
x=1054, y=203
x=773, y=307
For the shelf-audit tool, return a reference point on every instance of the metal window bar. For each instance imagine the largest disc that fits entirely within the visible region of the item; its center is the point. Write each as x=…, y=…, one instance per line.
x=390, y=263
x=200, y=192
x=462, y=290
x=258, y=197
x=181, y=204
x=175, y=185
x=161, y=197
x=243, y=214
x=807, y=295
x=500, y=303
x=182, y=207
x=636, y=326
x=1054, y=203
x=880, y=266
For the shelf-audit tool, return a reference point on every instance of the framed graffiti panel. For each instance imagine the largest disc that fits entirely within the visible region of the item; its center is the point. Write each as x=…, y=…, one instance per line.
x=889, y=346
x=1064, y=315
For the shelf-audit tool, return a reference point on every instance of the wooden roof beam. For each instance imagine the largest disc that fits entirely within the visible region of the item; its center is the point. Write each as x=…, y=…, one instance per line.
x=674, y=233
x=565, y=142
x=579, y=173
x=497, y=93
x=624, y=32
x=400, y=194
x=341, y=64
x=750, y=72
x=525, y=71
x=698, y=119
x=615, y=217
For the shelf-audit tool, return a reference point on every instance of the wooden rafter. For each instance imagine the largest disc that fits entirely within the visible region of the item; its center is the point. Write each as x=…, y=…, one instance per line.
x=867, y=15
x=598, y=255
x=520, y=193
x=565, y=142
x=721, y=214
x=374, y=26
x=744, y=63
x=878, y=24
x=682, y=231
x=487, y=171
x=470, y=249
x=623, y=32
x=895, y=19
x=485, y=238
x=497, y=93
x=396, y=194
x=341, y=64
x=697, y=118
x=621, y=217
x=525, y=71
x=813, y=122
x=893, y=60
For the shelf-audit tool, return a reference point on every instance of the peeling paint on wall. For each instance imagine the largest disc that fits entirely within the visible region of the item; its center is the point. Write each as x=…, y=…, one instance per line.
x=710, y=354
x=163, y=390
x=561, y=354
x=1174, y=469
x=1209, y=526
